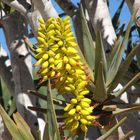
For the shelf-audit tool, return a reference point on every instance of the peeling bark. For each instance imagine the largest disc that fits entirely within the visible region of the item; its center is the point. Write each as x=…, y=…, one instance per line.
x=15, y=28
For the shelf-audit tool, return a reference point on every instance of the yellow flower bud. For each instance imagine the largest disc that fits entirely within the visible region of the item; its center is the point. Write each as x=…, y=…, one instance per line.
x=72, y=62
x=59, y=65
x=68, y=67
x=43, y=26
x=72, y=43
x=41, y=21
x=65, y=59
x=84, y=112
x=40, y=39
x=39, y=62
x=85, y=92
x=40, y=34
x=71, y=50
x=78, y=108
x=60, y=43
x=83, y=127
x=45, y=64
x=45, y=56
x=90, y=118
x=86, y=100
x=83, y=121
x=84, y=104
x=73, y=101
x=68, y=107
x=72, y=111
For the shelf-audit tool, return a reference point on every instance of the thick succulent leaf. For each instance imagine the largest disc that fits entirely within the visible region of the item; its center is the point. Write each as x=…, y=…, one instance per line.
x=15, y=133
x=127, y=135
x=100, y=93
x=124, y=66
x=100, y=56
x=130, y=83
x=119, y=111
x=44, y=97
x=23, y=127
x=46, y=134
x=112, y=130
x=89, y=47
x=51, y=115
x=115, y=19
x=115, y=64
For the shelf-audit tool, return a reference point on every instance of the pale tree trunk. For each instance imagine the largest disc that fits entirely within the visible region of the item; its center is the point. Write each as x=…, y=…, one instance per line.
x=15, y=28
x=101, y=21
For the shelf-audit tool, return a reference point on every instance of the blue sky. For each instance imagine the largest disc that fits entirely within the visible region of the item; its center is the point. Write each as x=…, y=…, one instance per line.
x=113, y=6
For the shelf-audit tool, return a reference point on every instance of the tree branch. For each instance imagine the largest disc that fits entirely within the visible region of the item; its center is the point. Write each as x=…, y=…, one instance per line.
x=19, y=5
x=101, y=21
x=5, y=71
x=69, y=8
x=46, y=8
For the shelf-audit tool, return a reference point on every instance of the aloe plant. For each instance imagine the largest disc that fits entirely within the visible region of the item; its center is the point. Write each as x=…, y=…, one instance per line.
x=79, y=87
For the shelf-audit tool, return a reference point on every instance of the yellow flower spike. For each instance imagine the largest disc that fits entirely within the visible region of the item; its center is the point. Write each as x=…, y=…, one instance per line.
x=54, y=38
x=83, y=127
x=73, y=44
x=71, y=50
x=78, y=108
x=72, y=62
x=51, y=60
x=40, y=34
x=87, y=100
x=45, y=78
x=51, y=53
x=44, y=71
x=52, y=66
x=85, y=92
x=52, y=73
x=70, y=38
x=77, y=117
x=51, y=33
x=57, y=25
x=41, y=21
x=41, y=40
x=79, y=71
x=59, y=65
x=70, y=34
x=50, y=27
x=72, y=111
x=45, y=64
x=75, y=125
x=90, y=118
x=82, y=84
x=58, y=32
x=43, y=26
x=84, y=112
x=67, y=18
x=68, y=67
x=69, y=120
x=83, y=121
x=73, y=101
x=68, y=89
x=68, y=107
x=84, y=104
x=50, y=41
x=45, y=56
x=67, y=26
x=89, y=109
x=39, y=50
x=65, y=59
x=39, y=62
x=60, y=43
x=58, y=56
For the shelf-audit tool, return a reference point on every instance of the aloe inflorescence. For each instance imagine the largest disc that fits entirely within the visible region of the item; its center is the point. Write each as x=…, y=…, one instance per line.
x=59, y=60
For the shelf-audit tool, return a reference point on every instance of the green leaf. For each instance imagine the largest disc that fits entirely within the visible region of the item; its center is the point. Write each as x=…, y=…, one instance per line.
x=22, y=127
x=100, y=93
x=112, y=130
x=117, y=59
x=130, y=83
x=100, y=56
x=46, y=134
x=10, y=125
x=125, y=65
x=51, y=115
x=89, y=47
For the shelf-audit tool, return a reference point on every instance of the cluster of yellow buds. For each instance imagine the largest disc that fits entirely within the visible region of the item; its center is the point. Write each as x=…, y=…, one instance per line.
x=59, y=61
